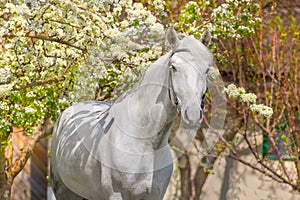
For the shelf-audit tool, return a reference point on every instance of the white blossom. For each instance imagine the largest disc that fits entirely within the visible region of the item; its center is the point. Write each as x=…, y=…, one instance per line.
x=63, y=100
x=157, y=27
x=92, y=26
x=124, y=23
x=238, y=92
x=6, y=89
x=249, y=98
x=117, y=10
x=234, y=92
x=150, y=20
x=261, y=110
x=138, y=6
x=30, y=94
x=112, y=32
x=158, y=5
x=5, y=74
x=4, y=106
x=10, y=7
x=29, y=110
x=23, y=9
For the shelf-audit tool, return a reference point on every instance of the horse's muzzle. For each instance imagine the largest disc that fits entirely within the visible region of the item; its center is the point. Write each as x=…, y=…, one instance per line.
x=192, y=118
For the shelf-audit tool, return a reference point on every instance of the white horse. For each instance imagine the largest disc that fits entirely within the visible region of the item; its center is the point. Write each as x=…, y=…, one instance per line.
x=120, y=151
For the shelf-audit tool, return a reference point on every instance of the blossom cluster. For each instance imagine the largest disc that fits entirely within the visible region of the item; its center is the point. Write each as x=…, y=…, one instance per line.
x=5, y=74
x=261, y=110
x=235, y=93
x=159, y=5
x=5, y=90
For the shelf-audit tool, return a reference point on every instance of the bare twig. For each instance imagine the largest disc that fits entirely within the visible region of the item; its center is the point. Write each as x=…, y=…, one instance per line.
x=275, y=148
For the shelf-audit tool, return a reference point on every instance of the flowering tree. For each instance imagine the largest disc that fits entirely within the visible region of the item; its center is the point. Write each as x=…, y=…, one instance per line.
x=54, y=53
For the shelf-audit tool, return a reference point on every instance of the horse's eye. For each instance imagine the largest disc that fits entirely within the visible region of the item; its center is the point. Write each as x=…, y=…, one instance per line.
x=173, y=68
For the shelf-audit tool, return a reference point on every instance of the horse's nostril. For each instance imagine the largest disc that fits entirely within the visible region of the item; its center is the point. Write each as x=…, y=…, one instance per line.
x=186, y=115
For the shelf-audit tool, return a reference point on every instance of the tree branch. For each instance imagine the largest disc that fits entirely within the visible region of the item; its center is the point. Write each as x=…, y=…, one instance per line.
x=185, y=176
x=273, y=145
x=46, y=81
x=42, y=131
x=45, y=37
x=39, y=82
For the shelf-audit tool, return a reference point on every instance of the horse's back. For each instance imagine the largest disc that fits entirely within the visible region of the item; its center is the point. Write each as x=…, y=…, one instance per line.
x=80, y=119
x=72, y=162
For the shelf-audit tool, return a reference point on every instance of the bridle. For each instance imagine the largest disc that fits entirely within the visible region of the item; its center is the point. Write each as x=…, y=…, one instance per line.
x=172, y=94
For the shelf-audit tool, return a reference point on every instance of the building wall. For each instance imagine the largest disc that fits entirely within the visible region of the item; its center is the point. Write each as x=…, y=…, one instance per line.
x=234, y=181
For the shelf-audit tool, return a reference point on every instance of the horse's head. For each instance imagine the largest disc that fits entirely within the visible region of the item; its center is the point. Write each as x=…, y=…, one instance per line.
x=189, y=63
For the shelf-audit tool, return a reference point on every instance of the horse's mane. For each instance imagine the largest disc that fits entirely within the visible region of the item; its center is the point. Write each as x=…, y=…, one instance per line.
x=195, y=47
x=158, y=63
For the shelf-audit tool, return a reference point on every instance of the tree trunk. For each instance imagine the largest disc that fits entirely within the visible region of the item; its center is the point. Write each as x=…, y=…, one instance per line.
x=185, y=177
x=5, y=187
x=201, y=175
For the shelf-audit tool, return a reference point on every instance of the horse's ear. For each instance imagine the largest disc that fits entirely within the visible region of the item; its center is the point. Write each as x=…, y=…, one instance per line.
x=172, y=38
x=206, y=38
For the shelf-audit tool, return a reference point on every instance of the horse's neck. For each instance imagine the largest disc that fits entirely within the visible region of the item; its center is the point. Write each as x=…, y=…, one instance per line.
x=150, y=113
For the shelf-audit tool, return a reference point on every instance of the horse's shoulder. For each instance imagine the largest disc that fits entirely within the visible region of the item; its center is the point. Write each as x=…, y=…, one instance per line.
x=95, y=104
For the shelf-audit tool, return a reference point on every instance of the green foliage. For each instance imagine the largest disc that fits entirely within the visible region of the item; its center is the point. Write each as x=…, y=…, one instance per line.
x=231, y=19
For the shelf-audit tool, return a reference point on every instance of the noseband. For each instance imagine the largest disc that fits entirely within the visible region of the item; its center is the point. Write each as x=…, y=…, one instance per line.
x=172, y=94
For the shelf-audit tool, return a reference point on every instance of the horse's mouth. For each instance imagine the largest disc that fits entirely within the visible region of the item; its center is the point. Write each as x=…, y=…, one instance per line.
x=189, y=125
